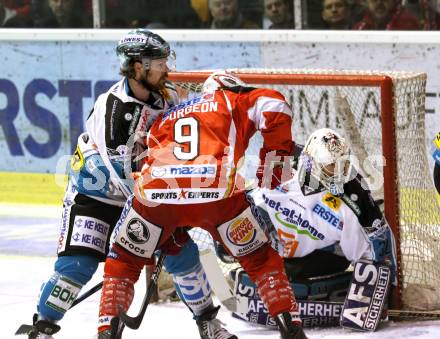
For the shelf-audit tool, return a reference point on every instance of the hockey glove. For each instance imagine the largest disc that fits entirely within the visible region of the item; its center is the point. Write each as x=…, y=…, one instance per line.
x=175, y=242
x=274, y=168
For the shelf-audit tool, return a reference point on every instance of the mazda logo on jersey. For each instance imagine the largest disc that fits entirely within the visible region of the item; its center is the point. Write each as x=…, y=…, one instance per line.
x=137, y=231
x=158, y=172
x=241, y=232
x=184, y=171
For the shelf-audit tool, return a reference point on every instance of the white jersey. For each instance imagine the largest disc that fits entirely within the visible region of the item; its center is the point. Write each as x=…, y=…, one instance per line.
x=116, y=118
x=303, y=220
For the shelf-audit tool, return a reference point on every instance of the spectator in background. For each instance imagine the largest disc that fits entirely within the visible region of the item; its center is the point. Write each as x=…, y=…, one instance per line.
x=388, y=15
x=225, y=14
x=336, y=14
x=62, y=14
x=425, y=12
x=277, y=15
x=159, y=14
x=13, y=17
x=69, y=13
x=22, y=8
x=202, y=10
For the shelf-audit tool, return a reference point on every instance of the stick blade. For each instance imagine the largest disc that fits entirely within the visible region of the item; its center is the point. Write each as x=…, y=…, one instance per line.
x=131, y=322
x=23, y=329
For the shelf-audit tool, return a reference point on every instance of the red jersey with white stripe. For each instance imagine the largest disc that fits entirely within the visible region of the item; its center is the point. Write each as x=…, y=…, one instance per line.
x=195, y=148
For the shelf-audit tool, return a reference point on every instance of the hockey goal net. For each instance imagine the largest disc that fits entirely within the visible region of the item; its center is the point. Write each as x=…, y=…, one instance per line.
x=382, y=115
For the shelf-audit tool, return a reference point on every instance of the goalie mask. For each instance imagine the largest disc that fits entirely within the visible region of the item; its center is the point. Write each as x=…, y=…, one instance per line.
x=326, y=158
x=219, y=80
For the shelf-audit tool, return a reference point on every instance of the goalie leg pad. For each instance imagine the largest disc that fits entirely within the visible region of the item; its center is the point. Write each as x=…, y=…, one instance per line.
x=313, y=313
x=367, y=296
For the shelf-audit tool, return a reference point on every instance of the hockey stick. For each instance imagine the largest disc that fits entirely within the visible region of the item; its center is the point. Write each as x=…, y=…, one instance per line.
x=25, y=328
x=135, y=322
x=219, y=285
x=87, y=294
x=412, y=314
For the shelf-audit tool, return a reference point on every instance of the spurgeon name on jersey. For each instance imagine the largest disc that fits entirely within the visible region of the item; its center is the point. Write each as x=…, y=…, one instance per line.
x=195, y=148
x=351, y=225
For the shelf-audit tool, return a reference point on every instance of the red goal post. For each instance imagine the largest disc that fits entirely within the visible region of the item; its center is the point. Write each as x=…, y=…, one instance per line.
x=377, y=112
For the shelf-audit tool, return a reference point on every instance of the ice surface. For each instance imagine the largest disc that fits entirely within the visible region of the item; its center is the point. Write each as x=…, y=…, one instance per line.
x=27, y=244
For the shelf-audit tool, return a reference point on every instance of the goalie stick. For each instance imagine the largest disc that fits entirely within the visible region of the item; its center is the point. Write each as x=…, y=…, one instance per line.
x=25, y=328
x=219, y=285
x=135, y=322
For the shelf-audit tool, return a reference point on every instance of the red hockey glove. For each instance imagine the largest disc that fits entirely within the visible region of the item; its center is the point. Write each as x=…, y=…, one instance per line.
x=175, y=242
x=274, y=168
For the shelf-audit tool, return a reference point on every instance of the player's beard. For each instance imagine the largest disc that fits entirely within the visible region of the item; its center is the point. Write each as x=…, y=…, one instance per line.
x=153, y=87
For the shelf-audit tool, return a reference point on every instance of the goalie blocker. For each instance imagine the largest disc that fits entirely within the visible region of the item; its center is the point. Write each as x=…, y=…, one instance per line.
x=319, y=299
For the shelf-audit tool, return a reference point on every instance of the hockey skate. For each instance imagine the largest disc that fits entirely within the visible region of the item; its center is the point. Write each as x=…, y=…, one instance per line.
x=107, y=334
x=42, y=329
x=288, y=328
x=112, y=332
x=211, y=328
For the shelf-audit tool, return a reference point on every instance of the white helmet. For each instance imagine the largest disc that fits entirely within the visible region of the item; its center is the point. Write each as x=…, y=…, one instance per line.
x=221, y=79
x=326, y=156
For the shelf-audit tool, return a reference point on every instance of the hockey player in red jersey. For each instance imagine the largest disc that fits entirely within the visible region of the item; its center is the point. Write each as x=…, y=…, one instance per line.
x=191, y=179
x=99, y=186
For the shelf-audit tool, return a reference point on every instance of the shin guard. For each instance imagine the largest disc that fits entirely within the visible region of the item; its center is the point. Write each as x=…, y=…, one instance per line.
x=116, y=294
x=265, y=267
x=121, y=271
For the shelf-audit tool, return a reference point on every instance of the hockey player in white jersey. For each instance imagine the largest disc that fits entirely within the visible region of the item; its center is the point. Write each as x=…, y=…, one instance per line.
x=99, y=184
x=320, y=221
